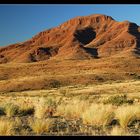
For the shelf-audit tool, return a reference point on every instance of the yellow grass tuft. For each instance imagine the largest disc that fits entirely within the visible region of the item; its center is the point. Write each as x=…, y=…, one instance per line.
x=74, y=109
x=41, y=109
x=40, y=126
x=98, y=114
x=6, y=127
x=11, y=109
x=126, y=114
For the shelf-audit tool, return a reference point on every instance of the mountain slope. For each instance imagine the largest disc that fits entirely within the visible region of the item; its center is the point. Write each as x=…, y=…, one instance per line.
x=86, y=37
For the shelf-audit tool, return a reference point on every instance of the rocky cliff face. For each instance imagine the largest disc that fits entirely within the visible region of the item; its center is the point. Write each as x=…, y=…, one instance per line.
x=86, y=37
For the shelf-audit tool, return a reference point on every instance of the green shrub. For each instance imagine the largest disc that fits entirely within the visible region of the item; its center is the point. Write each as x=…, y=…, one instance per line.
x=118, y=100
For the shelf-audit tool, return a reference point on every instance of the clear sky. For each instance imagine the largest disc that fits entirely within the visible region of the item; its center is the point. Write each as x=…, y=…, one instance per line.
x=21, y=22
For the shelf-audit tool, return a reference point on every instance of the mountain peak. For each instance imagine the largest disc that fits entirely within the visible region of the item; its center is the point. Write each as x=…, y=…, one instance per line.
x=82, y=37
x=101, y=16
x=86, y=20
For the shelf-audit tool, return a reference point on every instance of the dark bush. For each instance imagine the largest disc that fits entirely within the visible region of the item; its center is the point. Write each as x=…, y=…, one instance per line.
x=118, y=100
x=54, y=84
x=2, y=111
x=28, y=111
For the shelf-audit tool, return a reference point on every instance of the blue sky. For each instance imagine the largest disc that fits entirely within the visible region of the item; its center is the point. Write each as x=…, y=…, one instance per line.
x=21, y=22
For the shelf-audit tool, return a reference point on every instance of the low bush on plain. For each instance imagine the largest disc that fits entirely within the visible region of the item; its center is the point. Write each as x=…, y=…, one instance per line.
x=118, y=100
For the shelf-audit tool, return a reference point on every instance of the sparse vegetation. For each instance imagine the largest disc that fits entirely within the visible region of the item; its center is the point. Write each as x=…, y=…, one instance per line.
x=98, y=114
x=41, y=109
x=40, y=126
x=23, y=111
x=87, y=106
x=118, y=100
x=54, y=84
x=11, y=109
x=127, y=114
x=70, y=117
x=6, y=127
x=73, y=110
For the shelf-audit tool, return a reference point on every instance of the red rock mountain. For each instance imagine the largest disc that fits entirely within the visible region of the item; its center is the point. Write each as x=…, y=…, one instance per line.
x=84, y=37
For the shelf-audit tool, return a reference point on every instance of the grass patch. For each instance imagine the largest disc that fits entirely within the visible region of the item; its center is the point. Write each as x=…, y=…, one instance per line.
x=118, y=100
x=40, y=126
x=127, y=114
x=45, y=108
x=98, y=114
x=6, y=127
x=72, y=110
x=11, y=109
